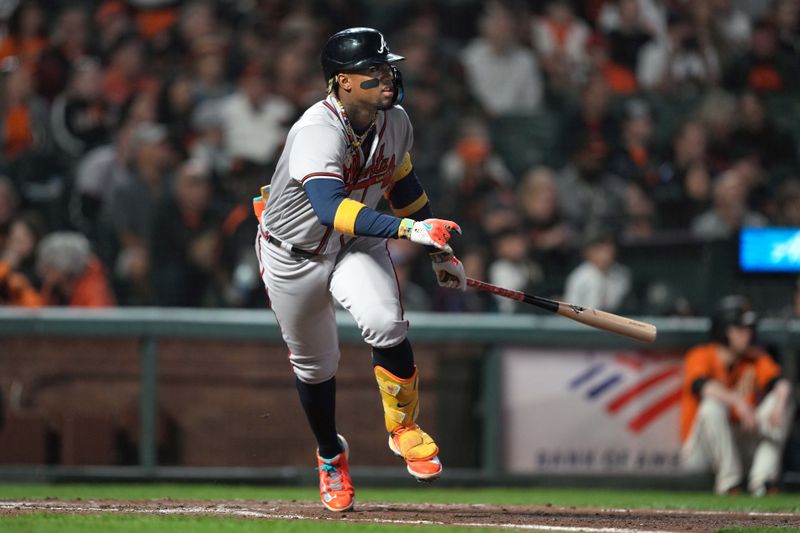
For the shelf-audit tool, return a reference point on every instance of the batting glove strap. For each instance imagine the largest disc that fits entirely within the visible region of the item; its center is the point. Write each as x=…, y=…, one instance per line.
x=449, y=271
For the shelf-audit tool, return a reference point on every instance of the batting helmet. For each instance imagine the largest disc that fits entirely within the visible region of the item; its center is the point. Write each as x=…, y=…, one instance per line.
x=357, y=49
x=732, y=310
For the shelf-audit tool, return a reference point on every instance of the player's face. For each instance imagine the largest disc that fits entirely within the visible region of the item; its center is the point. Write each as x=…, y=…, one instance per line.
x=739, y=338
x=374, y=86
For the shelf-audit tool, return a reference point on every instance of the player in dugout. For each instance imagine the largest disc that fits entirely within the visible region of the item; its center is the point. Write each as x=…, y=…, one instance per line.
x=321, y=239
x=737, y=408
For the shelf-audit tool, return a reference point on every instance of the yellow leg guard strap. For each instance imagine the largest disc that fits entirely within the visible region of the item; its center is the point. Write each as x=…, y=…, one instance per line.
x=414, y=444
x=400, y=398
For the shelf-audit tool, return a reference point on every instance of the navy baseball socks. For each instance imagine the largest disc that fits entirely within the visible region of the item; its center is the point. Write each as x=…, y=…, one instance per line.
x=335, y=486
x=319, y=404
x=400, y=399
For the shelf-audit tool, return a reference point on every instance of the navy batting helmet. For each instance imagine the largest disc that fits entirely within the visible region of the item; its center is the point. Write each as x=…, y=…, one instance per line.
x=732, y=310
x=356, y=49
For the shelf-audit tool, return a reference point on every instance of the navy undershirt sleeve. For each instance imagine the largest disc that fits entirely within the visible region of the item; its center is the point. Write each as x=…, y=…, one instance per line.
x=405, y=192
x=325, y=196
x=374, y=224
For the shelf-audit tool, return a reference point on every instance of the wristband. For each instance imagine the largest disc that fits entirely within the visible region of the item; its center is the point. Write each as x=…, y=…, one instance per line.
x=404, y=231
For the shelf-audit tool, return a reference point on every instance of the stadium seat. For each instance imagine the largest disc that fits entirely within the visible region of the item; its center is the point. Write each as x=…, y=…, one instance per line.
x=525, y=141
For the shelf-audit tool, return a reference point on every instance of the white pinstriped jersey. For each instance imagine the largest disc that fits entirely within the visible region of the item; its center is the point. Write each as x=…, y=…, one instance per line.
x=318, y=147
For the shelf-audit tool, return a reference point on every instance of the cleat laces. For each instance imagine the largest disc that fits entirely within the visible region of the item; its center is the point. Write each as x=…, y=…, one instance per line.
x=333, y=478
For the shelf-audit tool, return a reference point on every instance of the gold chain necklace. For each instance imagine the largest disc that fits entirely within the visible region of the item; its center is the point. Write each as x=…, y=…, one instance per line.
x=355, y=140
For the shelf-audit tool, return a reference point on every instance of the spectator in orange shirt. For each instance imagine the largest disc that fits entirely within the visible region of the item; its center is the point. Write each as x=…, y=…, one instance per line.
x=17, y=261
x=126, y=73
x=559, y=38
x=736, y=407
x=9, y=205
x=112, y=19
x=15, y=288
x=23, y=116
x=26, y=34
x=71, y=274
x=765, y=67
x=25, y=231
x=620, y=80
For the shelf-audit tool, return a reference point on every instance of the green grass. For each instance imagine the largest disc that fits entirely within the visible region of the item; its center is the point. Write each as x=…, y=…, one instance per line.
x=422, y=494
x=46, y=523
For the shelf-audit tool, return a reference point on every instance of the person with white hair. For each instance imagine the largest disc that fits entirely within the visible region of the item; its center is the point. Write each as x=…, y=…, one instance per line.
x=70, y=273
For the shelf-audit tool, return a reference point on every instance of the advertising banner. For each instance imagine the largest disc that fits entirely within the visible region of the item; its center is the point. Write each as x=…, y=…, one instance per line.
x=568, y=411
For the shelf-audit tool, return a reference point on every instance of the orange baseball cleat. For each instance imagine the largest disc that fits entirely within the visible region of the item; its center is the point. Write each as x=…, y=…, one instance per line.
x=419, y=451
x=335, y=486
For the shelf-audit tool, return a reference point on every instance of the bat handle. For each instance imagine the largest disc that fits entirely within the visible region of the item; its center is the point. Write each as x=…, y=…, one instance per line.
x=494, y=289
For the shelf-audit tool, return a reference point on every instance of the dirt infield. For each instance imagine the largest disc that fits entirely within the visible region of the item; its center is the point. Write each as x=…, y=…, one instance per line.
x=548, y=518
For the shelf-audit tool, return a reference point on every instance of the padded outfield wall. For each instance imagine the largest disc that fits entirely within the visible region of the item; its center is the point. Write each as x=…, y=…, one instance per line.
x=155, y=393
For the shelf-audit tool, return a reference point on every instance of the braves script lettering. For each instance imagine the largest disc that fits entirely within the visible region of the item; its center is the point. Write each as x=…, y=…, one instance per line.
x=380, y=171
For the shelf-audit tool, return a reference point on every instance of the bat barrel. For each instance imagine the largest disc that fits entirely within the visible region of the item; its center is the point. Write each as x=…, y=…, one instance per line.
x=585, y=315
x=620, y=325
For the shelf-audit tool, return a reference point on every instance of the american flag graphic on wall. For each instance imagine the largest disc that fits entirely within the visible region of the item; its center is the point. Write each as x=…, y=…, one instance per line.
x=590, y=411
x=618, y=383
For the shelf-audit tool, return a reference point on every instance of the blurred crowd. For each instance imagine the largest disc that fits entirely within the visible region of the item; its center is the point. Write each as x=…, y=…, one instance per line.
x=134, y=134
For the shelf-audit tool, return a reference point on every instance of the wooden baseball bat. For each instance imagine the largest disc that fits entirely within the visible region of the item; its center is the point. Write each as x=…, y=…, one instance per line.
x=641, y=331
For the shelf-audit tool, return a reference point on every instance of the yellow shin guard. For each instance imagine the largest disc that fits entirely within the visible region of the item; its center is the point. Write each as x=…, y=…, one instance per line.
x=400, y=399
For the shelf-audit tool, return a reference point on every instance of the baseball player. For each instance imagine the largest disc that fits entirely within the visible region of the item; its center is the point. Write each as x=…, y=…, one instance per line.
x=736, y=406
x=321, y=239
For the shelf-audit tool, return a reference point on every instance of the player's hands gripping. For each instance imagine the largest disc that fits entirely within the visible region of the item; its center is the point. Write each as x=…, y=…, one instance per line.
x=430, y=232
x=746, y=414
x=449, y=271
